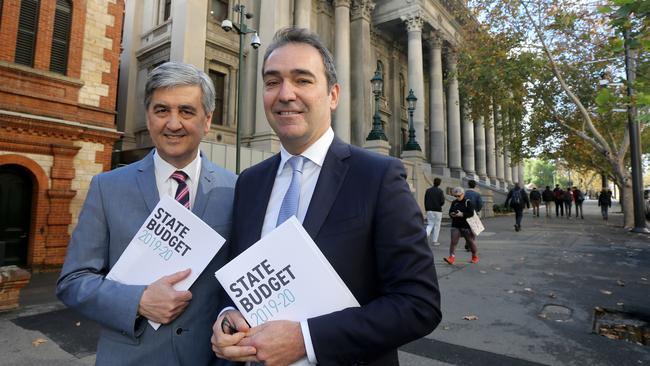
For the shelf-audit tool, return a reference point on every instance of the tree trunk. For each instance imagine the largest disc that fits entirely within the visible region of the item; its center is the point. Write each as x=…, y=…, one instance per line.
x=626, y=200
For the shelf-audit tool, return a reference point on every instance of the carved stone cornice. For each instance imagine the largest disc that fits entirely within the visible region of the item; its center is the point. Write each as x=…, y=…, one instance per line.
x=413, y=21
x=362, y=9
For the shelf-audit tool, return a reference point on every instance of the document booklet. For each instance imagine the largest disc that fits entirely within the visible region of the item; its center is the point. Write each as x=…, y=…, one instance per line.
x=171, y=239
x=284, y=276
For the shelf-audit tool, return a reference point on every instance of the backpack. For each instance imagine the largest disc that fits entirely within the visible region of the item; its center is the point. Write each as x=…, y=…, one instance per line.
x=516, y=197
x=581, y=196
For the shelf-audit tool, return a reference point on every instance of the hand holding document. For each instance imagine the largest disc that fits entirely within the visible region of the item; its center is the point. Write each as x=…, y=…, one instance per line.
x=170, y=240
x=284, y=276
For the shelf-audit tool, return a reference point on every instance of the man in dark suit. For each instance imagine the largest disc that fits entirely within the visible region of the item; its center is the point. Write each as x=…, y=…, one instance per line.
x=179, y=100
x=358, y=208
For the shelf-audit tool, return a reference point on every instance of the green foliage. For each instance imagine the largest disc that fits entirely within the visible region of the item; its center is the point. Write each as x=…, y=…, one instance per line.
x=539, y=172
x=501, y=209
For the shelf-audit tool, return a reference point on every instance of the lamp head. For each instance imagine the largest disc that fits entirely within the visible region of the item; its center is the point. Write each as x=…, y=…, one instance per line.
x=226, y=25
x=411, y=99
x=255, y=41
x=377, y=83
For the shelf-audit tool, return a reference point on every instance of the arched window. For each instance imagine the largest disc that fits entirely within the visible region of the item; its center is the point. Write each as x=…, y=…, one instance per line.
x=61, y=36
x=27, y=27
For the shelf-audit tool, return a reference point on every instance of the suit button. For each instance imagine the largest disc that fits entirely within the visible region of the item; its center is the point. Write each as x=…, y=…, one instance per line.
x=179, y=331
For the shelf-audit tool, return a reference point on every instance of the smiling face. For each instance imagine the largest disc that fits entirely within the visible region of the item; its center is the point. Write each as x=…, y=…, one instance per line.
x=177, y=121
x=297, y=101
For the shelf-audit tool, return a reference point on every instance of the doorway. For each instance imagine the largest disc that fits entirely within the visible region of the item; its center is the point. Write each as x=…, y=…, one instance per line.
x=15, y=214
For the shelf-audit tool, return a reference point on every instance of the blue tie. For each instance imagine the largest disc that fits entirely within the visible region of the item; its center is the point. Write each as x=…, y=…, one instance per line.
x=291, y=199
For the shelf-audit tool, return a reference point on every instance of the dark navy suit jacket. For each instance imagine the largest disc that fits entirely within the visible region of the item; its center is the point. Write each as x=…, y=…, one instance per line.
x=364, y=219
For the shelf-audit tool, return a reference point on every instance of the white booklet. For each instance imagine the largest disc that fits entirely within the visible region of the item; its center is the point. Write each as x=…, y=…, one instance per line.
x=171, y=239
x=284, y=276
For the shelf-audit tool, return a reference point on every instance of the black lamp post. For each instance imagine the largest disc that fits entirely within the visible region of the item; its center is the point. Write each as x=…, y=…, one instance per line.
x=411, y=145
x=377, y=132
x=242, y=29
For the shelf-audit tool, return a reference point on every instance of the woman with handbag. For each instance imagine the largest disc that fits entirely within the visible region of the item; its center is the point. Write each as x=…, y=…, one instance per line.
x=461, y=209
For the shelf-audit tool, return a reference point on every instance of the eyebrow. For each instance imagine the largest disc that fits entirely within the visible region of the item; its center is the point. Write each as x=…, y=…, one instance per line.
x=293, y=72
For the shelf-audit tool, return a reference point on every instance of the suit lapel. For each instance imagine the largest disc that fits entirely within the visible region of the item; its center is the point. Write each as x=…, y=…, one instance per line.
x=147, y=182
x=206, y=184
x=260, y=192
x=328, y=186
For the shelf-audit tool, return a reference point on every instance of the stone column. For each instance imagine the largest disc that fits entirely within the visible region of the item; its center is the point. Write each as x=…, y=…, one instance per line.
x=453, y=116
x=273, y=15
x=490, y=150
x=479, y=149
x=521, y=172
x=515, y=172
x=190, y=19
x=436, y=105
x=361, y=70
x=468, y=141
x=342, y=117
x=414, y=22
x=302, y=13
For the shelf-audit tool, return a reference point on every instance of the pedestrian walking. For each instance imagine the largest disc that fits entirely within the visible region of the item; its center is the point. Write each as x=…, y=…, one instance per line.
x=579, y=198
x=547, y=196
x=604, y=202
x=475, y=197
x=535, y=199
x=434, y=199
x=517, y=199
x=461, y=208
x=567, y=197
x=558, y=198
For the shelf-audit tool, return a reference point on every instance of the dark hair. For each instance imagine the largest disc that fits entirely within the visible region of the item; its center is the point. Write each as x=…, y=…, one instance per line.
x=436, y=181
x=471, y=183
x=289, y=35
x=173, y=74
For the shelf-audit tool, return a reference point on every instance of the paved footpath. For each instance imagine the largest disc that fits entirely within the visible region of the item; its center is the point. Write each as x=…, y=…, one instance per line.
x=533, y=296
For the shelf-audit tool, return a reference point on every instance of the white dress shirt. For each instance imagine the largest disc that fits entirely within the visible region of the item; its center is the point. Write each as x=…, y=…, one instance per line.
x=315, y=156
x=167, y=185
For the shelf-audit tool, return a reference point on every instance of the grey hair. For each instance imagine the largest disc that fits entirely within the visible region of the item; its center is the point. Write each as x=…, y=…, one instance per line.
x=289, y=35
x=457, y=190
x=173, y=74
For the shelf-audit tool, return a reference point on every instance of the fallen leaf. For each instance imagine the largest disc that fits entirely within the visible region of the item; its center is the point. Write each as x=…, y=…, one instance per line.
x=620, y=304
x=528, y=289
x=644, y=279
x=606, y=292
x=38, y=341
x=549, y=273
x=520, y=283
x=552, y=295
x=620, y=283
x=497, y=268
x=446, y=327
x=511, y=291
x=470, y=317
x=77, y=324
x=482, y=272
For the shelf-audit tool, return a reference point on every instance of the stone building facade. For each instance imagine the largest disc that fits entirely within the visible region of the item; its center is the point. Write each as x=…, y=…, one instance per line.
x=412, y=44
x=58, y=87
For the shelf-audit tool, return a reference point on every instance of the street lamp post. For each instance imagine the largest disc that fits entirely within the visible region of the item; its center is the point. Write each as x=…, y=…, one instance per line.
x=242, y=29
x=377, y=132
x=635, y=143
x=412, y=144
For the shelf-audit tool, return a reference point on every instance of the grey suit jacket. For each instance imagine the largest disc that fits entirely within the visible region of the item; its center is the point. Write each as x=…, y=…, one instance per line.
x=117, y=204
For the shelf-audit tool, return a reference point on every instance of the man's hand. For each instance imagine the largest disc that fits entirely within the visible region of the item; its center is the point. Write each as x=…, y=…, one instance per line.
x=278, y=343
x=229, y=329
x=161, y=303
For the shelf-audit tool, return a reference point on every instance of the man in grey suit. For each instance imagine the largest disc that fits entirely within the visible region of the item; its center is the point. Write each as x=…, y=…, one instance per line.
x=179, y=101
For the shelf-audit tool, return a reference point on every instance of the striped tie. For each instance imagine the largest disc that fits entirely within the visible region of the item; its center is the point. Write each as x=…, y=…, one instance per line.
x=291, y=199
x=183, y=191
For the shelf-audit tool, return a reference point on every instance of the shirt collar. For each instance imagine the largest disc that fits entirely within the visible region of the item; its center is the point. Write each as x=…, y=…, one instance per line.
x=164, y=170
x=315, y=153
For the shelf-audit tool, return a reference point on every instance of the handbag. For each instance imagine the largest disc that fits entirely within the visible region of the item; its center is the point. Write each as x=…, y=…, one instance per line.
x=475, y=224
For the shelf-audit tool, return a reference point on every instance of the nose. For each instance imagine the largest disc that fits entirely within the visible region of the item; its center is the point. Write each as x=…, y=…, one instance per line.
x=286, y=93
x=174, y=121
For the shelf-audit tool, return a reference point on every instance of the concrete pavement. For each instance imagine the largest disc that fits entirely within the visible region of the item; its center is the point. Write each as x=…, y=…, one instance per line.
x=533, y=295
